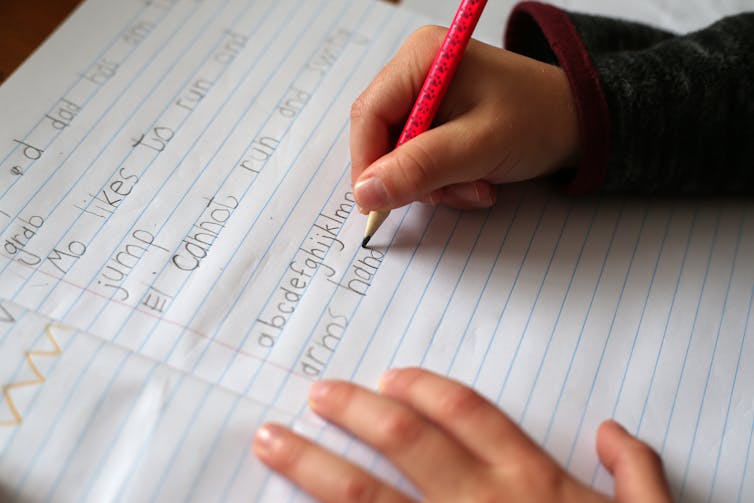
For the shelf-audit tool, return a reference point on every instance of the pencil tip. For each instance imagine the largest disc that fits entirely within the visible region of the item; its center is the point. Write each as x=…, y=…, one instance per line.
x=365, y=241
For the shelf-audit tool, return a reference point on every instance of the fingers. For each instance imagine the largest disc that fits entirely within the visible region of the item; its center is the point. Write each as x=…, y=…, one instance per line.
x=636, y=468
x=478, y=424
x=320, y=473
x=506, y=118
x=384, y=105
x=418, y=168
x=465, y=196
x=436, y=464
x=444, y=156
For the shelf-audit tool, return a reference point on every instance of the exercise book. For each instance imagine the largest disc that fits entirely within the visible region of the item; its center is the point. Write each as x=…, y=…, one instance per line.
x=180, y=260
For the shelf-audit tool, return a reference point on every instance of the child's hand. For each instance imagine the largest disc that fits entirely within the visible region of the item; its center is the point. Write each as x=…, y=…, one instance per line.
x=452, y=444
x=505, y=118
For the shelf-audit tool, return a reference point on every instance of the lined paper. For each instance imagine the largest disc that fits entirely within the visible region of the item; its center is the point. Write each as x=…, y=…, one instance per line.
x=181, y=259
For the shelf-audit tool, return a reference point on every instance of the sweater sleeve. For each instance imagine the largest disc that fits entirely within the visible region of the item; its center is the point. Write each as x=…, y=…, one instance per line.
x=658, y=112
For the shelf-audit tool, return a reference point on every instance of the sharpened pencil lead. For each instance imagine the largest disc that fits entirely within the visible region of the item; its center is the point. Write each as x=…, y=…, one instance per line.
x=365, y=241
x=433, y=89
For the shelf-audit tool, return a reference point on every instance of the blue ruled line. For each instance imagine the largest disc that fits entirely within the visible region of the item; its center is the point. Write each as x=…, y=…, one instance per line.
x=534, y=304
x=494, y=264
x=512, y=288
x=424, y=290
x=453, y=292
x=248, y=281
x=168, y=402
x=196, y=411
x=374, y=332
x=711, y=362
x=587, y=315
x=730, y=400
x=86, y=367
x=148, y=62
x=610, y=332
x=51, y=108
x=746, y=464
x=529, y=395
x=55, y=363
x=619, y=395
x=667, y=320
x=713, y=243
x=272, y=39
x=382, y=317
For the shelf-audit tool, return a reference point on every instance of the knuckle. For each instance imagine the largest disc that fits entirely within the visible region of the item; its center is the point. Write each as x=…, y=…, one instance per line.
x=357, y=487
x=417, y=168
x=536, y=472
x=643, y=453
x=517, y=470
x=417, y=49
x=341, y=395
x=338, y=398
x=484, y=494
x=459, y=402
x=430, y=32
x=289, y=458
x=547, y=474
x=398, y=430
x=359, y=108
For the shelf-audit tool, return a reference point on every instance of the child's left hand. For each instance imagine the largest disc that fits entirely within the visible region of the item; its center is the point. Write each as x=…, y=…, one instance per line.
x=451, y=443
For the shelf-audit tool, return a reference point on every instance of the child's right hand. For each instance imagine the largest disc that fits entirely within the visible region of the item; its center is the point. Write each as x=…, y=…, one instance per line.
x=505, y=118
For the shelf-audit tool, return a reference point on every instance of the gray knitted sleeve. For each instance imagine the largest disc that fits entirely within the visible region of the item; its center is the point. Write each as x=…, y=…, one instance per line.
x=658, y=112
x=681, y=108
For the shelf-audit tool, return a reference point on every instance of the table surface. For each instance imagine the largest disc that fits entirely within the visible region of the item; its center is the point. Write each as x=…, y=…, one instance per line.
x=24, y=25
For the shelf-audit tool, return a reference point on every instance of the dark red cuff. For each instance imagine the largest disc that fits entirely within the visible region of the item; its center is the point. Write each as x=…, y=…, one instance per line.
x=528, y=22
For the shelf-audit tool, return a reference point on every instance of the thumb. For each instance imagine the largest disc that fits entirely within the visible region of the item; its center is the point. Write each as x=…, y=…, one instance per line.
x=635, y=466
x=440, y=157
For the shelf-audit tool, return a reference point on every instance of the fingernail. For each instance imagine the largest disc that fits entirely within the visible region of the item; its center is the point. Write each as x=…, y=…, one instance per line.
x=386, y=378
x=267, y=439
x=371, y=193
x=319, y=391
x=618, y=426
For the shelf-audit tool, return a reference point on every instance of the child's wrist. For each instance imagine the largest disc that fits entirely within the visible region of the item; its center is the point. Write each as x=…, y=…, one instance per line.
x=564, y=124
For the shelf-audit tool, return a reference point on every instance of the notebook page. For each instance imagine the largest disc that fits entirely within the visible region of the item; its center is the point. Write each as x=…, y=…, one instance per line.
x=125, y=248
x=179, y=189
x=88, y=433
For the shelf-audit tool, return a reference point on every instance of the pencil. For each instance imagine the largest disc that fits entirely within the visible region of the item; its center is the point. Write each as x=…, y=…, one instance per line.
x=435, y=85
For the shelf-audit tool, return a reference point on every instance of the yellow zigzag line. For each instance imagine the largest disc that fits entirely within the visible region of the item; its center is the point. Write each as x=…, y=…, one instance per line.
x=40, y=378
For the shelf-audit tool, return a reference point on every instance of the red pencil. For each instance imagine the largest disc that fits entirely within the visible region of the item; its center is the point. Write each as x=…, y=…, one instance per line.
x=435, y=85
